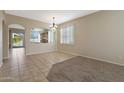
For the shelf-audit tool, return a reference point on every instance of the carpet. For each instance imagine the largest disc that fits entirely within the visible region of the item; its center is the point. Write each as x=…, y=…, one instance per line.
x=82, y=69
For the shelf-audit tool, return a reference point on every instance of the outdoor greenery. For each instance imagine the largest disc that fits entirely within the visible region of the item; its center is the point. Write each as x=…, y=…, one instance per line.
x=16, y=40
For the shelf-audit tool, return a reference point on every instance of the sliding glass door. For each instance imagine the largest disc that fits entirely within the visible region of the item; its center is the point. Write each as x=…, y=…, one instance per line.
x=17, y=40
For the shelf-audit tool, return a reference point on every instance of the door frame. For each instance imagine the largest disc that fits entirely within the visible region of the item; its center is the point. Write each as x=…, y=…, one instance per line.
x=23, y=39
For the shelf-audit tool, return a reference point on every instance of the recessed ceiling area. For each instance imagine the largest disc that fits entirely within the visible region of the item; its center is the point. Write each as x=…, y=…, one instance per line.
x=61, y=16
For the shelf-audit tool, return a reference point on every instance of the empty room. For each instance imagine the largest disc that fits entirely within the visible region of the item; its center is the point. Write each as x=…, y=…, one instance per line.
x=61, y=46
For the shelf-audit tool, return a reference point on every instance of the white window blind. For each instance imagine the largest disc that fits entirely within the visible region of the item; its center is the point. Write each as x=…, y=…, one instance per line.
x=50, y=37
x=67, y=35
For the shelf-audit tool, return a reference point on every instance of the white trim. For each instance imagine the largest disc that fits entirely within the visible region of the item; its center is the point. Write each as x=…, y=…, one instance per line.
x=33, y=53
x=76, y=54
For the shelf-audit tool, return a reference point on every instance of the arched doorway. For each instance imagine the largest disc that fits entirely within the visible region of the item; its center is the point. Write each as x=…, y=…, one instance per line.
x=16, y=41
x=16, y=36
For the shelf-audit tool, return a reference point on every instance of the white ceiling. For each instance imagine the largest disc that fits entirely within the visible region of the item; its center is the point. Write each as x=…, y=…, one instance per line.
x=61, y=16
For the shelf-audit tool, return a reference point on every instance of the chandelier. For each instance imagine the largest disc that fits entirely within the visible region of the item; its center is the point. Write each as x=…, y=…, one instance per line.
x=53, y=27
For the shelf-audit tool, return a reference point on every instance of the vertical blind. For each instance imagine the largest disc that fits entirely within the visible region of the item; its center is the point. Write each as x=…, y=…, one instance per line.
x=51, y=37
x=67, y=35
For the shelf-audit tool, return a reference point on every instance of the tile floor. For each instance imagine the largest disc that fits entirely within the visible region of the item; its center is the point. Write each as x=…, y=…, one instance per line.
x=32, y=68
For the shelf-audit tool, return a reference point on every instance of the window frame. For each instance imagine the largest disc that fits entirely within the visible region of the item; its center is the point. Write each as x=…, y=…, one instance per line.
x=65, y=41
x=31, y=39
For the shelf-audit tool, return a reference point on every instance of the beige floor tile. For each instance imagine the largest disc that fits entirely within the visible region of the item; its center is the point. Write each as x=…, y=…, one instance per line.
x=32, y=68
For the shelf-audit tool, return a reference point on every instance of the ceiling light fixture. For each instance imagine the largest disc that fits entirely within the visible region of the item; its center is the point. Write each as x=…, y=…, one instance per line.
x=53, y=27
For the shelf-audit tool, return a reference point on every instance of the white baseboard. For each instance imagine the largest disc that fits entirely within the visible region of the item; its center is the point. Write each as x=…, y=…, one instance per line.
x=34, y=53
x=103, y=60
x=76, y=54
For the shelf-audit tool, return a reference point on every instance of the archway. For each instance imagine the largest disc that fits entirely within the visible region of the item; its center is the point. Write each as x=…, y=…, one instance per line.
x=16, y=36
x=16, y=40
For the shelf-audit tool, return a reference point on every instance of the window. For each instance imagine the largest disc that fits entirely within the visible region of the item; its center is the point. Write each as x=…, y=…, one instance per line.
x=51, y=37
x=41, y=36
x=67, y=35
x=35, y=36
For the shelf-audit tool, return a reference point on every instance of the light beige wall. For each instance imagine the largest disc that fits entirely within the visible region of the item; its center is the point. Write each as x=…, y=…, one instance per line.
x=1, y=31
x=28, y=24
x=99, y=35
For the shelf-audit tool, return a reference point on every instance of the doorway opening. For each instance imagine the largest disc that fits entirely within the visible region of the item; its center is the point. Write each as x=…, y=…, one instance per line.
x=17, y=39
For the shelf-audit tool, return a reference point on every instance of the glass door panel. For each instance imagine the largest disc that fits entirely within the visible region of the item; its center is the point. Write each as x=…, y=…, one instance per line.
x=17, y=40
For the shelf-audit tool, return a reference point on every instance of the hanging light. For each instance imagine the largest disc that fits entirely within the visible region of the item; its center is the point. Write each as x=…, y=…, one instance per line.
x=53, y=27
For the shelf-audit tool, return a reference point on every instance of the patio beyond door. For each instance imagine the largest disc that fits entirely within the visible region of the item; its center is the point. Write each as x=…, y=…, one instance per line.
x=17, y=39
